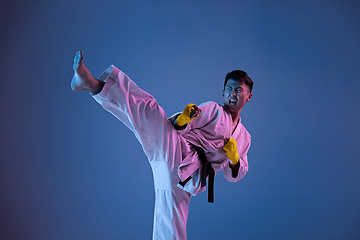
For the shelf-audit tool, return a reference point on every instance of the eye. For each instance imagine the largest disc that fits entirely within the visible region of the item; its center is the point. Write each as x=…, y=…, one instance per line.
x=239, y=90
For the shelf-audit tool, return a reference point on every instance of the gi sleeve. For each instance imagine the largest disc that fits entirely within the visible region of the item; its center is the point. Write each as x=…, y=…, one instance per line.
x=208, y=115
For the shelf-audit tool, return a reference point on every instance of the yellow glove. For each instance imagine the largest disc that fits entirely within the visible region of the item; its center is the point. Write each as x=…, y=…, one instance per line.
x=190, y=112
x=231, y=150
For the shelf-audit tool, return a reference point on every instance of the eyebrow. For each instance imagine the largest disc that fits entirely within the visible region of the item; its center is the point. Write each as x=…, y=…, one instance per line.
x=235, y=88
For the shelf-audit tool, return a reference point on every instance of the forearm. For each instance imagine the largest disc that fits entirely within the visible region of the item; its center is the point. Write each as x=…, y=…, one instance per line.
x=235, y=172
x=234, y=169
x=190, y=112
x=176, y=126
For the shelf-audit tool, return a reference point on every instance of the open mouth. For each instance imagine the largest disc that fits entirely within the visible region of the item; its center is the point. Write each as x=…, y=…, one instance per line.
x=232, y=102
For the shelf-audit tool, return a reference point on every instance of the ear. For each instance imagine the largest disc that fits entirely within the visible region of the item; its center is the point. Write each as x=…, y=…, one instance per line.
x=249, y=97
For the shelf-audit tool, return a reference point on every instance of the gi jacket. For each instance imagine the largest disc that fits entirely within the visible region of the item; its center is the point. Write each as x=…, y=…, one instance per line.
x=211, y=130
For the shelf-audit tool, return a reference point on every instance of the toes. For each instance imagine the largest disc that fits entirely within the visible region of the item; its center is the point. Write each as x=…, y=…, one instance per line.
x=79, y=56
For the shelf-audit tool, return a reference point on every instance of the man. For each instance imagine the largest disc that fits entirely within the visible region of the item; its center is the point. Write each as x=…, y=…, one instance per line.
x=182, y=151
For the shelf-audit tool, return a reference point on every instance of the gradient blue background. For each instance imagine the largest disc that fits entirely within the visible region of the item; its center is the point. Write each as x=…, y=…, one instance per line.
x=67, y=168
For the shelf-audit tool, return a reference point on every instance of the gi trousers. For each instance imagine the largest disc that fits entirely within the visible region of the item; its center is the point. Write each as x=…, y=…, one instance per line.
x=164, y=148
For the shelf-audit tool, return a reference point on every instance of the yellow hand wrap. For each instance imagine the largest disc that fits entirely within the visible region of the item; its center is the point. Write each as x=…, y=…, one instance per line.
x=231, y=150
x=184, y=117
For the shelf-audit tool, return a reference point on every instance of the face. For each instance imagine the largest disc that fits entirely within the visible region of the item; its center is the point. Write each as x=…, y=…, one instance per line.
x=236, y=94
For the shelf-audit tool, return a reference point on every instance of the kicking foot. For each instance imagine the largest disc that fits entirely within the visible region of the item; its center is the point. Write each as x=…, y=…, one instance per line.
x=82, y=79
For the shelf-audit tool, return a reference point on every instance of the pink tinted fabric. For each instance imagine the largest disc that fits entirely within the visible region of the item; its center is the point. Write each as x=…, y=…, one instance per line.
x=161, y=143
x=211, y=130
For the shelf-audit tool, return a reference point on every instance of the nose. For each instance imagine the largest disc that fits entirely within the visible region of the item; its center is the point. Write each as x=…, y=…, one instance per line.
x=234, y=93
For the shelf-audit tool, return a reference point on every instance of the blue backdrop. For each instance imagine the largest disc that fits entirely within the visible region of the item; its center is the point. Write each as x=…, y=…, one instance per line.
x=67, y=166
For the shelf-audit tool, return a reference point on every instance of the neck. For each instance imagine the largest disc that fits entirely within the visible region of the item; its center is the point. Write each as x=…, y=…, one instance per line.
x=235, y=117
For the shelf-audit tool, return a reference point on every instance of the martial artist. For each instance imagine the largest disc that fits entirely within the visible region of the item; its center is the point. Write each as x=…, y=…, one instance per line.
x=184, y=150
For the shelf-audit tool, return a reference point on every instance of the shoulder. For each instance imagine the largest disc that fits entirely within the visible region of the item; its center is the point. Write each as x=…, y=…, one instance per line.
x=210, y=105
x=211, y=108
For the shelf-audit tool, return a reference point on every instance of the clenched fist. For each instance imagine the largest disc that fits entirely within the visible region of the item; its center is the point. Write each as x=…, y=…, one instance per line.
x=231, y=150
x=190, y=112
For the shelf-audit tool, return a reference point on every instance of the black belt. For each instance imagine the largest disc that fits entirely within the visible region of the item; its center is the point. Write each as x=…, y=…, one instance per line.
x=206, y=170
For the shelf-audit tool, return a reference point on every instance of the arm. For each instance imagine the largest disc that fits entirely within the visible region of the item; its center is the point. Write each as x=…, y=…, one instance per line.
x=234, y=169
x=190, y=112
x=231, y=151
x=233, y=172
x=209, y=113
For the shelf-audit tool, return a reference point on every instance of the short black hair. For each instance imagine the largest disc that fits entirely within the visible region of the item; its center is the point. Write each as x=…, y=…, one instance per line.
x=240, y=76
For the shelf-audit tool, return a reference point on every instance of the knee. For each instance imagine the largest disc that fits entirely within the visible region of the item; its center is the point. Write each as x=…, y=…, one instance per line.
x=162, y=175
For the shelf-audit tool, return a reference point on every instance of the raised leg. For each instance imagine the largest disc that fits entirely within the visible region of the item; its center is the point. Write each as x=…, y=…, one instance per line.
x=140, y=112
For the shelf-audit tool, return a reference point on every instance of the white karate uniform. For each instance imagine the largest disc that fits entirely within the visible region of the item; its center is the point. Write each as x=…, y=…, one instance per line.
x=210, y=131
x=170, y=155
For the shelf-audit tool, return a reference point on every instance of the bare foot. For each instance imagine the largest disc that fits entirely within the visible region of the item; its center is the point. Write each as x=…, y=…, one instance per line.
x=82, y=79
